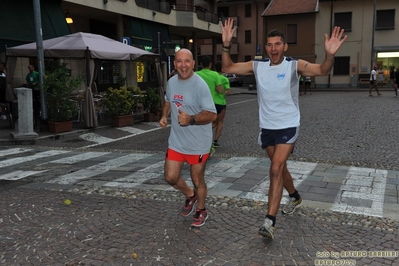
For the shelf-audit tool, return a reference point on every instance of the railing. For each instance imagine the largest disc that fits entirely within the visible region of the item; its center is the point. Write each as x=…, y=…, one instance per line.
x=166, y=7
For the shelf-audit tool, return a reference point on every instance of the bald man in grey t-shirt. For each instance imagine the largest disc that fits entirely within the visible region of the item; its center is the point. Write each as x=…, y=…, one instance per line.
x=189, y=103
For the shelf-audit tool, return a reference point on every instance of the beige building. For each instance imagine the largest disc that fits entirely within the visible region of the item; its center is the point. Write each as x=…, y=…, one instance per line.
x=194, y=24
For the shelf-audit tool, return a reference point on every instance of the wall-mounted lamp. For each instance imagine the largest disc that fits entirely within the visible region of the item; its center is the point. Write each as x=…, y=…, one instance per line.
x=154, y=13
x=190, y=41
x=68, y=18
x=105, y=1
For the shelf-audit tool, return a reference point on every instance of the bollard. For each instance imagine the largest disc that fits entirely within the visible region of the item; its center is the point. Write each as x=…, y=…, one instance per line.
x=24, y=124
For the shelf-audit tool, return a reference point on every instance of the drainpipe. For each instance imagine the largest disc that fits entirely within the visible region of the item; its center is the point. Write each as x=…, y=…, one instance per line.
x=256, y=28
x=372, y=38
x=331, y=25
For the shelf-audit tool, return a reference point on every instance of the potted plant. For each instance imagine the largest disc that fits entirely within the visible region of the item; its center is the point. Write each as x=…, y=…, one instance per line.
x=151, y=105
x=58, y=86
x=120, y=102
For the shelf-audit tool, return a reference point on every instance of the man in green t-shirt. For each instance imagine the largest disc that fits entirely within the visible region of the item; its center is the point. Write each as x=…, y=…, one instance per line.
x=220, y=104
x=213, y=79
x=32, y=81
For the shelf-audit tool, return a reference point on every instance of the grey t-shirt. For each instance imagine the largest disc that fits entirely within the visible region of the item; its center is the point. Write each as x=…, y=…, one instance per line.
x=191, y=96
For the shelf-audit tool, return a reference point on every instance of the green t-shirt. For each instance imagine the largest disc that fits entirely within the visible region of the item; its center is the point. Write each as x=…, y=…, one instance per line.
x=32, y=80
x=220, y=98
x=212, y=78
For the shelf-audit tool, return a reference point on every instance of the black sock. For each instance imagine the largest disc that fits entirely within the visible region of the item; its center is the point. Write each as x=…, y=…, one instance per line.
x=215, y=141
x=273, y=218
x=295, y=195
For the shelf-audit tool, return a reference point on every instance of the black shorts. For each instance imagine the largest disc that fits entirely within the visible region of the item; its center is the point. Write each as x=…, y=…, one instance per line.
x=372, y=82
x=272, y=137
x=219, y=108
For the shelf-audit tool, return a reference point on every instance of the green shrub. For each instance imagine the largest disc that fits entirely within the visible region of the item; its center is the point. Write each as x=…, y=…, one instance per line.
x=58, y=86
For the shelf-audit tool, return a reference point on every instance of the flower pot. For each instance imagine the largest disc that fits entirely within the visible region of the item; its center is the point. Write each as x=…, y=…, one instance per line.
x=122, y=120
x=59, y=127
x=151, y=117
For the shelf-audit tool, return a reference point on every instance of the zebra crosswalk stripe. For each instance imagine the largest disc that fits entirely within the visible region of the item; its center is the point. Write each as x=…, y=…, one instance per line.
x=98, y=169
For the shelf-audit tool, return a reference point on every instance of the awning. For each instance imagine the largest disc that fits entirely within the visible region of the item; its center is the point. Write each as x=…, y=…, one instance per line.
x=145, y=33
x=18, y=24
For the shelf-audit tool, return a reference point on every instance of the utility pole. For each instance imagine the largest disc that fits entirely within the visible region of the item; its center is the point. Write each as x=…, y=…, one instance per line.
x=40, y=56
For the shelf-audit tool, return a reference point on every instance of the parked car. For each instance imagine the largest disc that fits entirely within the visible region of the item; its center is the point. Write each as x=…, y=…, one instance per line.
x=235, y=81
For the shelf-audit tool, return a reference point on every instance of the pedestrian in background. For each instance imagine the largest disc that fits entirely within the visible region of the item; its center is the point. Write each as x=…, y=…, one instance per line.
x=373, y=81
x=189, y=103
x=380, y=77
x=397, y=80
x=308, y=84
x=392, y=79
x=300, y=85
x=277, y=83
x=220, y=105
x=213, y=79
x=32, y=82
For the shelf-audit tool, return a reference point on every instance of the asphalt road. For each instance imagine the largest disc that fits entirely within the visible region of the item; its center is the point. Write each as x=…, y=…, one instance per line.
x=343, y=127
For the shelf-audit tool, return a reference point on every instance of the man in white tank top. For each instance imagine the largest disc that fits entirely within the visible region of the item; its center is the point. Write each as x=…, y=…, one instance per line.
x=277, y=82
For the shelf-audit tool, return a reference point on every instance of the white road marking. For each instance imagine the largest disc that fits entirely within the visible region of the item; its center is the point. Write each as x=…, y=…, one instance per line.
x=95, y=138
x=78, y=158
x=13, y=151
x=15, y=175
x=155, y=170
x=25, y=159
x=98, y=169
x=299, y=172
x=362, y=184
x=251, y=100
x=103, y=140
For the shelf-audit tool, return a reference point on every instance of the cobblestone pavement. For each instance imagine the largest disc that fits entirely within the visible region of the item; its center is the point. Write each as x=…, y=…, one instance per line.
x=112, y=228
x=341, y=132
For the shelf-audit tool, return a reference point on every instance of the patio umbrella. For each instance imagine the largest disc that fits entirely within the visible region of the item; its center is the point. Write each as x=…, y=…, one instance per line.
x=85, y=46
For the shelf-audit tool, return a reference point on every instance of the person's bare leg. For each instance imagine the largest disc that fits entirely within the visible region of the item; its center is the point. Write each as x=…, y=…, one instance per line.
x=279, y=175
x=219, y=127
x=197, y=172
x=172, y=171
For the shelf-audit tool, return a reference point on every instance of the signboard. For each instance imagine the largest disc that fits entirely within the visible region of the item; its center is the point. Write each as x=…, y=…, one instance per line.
x=125, y=40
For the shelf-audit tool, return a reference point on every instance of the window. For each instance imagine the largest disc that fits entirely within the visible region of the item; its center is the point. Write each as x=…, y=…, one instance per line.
x=247, y=36
x=343, y=20
x=292, y=34
x=248, y=11
x=341, y=65
x=385, y=20
x=223, y=11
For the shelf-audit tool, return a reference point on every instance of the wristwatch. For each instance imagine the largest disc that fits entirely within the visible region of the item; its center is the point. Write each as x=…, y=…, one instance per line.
x=192, y=121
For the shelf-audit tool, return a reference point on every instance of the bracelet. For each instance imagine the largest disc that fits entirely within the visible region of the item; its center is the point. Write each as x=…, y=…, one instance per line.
x=226, y=47
x=192, y=121
x=226, y=50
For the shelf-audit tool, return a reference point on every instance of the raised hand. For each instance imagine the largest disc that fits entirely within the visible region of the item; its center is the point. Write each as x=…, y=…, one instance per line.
x=332, y=44
x=228, y=30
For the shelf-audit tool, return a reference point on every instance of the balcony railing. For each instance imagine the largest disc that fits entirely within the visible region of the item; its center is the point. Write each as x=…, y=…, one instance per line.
x=166, y=7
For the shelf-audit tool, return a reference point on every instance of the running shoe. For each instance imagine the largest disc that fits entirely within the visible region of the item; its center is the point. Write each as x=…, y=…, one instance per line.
x=188, y=206
x=200, y=217
x=216, y=145
x=291, y=206
x=267, y=229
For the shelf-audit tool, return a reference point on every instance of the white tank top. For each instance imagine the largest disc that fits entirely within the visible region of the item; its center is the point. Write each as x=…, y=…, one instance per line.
x=278, y=92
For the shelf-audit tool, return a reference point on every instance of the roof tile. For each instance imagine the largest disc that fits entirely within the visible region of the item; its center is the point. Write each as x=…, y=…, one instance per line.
x=286, y=7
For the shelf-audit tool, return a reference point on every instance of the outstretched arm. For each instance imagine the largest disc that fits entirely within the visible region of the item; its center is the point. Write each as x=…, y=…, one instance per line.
x=228, y=66
x=331, y=46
